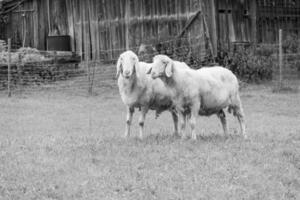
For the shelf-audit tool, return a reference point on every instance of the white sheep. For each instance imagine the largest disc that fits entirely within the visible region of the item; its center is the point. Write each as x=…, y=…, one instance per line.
x=139, y=90
x=206, y=91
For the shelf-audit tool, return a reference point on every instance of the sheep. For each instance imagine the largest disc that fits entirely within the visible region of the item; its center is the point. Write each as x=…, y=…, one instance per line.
x=203, y=92
x=138, y=90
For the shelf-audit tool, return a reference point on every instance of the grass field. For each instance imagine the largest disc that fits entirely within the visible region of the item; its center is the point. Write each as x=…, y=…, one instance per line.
x=59, y=145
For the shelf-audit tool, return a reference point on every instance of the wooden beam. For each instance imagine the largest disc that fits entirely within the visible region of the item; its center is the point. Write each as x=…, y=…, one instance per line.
x=189, y=23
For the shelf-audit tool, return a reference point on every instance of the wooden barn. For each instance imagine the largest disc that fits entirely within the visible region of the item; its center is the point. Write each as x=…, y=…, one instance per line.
x=102, y=29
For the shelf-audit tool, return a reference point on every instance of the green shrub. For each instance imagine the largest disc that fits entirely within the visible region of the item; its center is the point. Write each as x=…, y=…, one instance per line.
x=291, y=44
x=249, y=64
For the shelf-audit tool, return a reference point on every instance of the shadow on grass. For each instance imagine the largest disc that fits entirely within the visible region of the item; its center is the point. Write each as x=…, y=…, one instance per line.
x=163, y=139
x=167, y=139
x=157, y=139
x=219, y=138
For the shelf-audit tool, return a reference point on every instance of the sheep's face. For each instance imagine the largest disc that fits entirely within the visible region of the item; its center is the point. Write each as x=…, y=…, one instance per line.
x=127, y=63
x=162, y=66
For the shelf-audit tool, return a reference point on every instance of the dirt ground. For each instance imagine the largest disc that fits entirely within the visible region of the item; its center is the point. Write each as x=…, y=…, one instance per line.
x=61, y=144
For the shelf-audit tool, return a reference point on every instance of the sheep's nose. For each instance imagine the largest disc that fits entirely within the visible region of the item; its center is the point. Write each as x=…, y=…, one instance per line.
x=153, y=75
x=127, y=72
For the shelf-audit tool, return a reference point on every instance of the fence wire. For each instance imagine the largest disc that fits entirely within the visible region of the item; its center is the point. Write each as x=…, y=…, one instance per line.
x=33, y=70
x=55, y=72
x=286, y=74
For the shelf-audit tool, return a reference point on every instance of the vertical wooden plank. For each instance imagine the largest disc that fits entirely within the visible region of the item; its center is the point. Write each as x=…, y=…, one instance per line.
x=227, y=24
x=92, y=24
x=69, y=6
x=42, y=24
x=127, y=15
x=253, y=22
x=142, y=8
x=217, y=24
x=80, y=40
x=97, y=30
x=49, y=18
x=86, y=28
x=214, y=36
x=35, y=24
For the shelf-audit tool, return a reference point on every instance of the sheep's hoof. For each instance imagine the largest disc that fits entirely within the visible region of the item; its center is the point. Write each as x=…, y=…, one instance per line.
x=194, y=137
x=176, y=134
x=184, y=137
x=226, y=136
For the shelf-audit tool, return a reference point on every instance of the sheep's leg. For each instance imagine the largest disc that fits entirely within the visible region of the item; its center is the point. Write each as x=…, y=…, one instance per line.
x=193, y=117
x=175, y=120
x=222, y=117
x=144, y=111
x=241, y=119
x=129, y=115
x=239, y=113
x=182, y=123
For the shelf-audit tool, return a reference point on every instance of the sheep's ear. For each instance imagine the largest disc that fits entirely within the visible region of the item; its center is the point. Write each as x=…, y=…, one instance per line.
x=169, y=69
x=119, y=67
x=149, y=70
x=136, y=68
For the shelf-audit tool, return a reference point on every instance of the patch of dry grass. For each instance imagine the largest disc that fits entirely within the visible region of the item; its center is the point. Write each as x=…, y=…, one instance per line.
x=59, y=145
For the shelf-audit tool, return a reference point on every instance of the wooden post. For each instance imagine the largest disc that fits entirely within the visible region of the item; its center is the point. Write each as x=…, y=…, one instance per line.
x=24, y=29
x=19, y=69
x=9, y=68
x=280, y=58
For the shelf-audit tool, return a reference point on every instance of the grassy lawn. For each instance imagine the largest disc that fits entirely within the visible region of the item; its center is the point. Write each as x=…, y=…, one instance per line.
x=60, y=145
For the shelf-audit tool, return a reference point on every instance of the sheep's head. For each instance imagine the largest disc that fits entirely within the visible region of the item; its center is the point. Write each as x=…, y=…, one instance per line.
x=162, y=66
x=127, y=64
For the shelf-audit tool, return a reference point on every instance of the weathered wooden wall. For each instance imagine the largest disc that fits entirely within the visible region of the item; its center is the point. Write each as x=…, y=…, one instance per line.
x=106, y=28
x=234, y=22
x=37, y=23
x=272, y=16
x=103, y=29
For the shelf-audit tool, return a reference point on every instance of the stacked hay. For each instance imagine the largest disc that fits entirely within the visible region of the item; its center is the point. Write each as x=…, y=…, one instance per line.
x=24, y=55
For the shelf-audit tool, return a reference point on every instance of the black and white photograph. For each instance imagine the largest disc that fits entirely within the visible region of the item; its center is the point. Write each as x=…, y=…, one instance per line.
x=150, y=99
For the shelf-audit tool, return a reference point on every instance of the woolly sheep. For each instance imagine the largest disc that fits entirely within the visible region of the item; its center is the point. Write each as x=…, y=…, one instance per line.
x=139, y=90
x=206, y=91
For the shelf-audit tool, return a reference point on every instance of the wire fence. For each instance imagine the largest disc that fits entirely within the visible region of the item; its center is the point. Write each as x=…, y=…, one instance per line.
x=286, y=74
x=28, y=70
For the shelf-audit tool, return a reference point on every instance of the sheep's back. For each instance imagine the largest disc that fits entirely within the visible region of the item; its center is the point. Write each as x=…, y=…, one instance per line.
x=221, y=86
x=220, y=76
